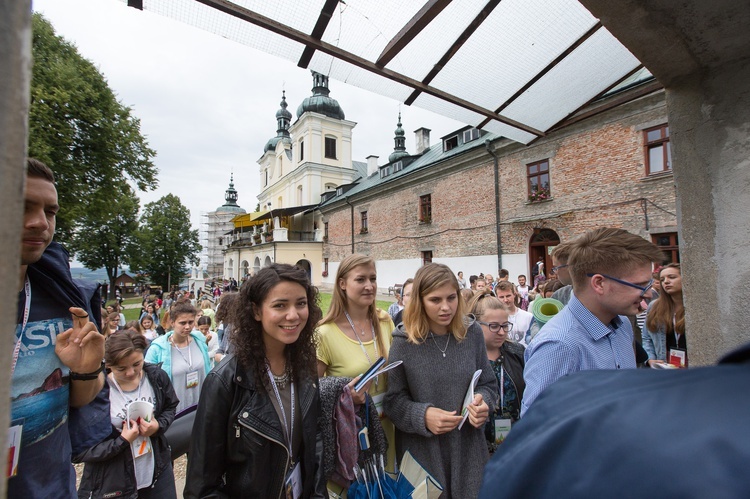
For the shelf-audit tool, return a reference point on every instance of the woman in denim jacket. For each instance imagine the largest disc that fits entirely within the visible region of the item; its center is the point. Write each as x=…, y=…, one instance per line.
x=665, y=324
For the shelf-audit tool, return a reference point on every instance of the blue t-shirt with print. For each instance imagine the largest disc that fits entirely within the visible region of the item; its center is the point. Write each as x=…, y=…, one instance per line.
x=40, y=393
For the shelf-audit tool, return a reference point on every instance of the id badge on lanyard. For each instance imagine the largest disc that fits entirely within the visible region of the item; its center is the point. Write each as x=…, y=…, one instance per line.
x=293, y=483
x=501, y=429
x=192, y=379
x=14, y=446
x=16, y=427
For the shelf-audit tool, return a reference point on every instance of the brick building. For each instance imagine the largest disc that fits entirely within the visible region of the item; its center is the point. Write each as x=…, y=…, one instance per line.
x=609, y=165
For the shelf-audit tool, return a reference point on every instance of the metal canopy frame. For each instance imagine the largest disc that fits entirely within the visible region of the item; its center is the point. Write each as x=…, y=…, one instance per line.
x=550, y=58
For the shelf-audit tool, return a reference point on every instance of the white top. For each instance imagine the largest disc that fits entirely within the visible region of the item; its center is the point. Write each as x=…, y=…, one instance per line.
x=119, y=401
x=521, y=321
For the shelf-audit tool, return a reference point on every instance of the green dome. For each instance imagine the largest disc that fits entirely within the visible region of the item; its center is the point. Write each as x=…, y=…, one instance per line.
x=319, y=102
x=283, y=118
x=231, y=200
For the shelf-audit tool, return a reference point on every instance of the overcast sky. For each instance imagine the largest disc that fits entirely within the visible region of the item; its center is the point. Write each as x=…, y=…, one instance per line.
x=207, y=105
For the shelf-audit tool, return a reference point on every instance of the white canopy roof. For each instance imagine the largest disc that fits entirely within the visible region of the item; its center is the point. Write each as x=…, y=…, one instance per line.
x=516, y=68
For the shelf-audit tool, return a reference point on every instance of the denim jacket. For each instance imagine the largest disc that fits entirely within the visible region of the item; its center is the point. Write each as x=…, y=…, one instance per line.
x=654, y=342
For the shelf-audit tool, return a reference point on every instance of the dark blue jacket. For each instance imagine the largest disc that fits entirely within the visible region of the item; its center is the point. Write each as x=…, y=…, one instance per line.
x=89, y=424
x=633, y=433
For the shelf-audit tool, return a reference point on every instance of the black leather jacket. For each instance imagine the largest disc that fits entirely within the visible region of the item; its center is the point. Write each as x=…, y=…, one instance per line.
x=238, y=450
x=513, y=363
x=109, y=470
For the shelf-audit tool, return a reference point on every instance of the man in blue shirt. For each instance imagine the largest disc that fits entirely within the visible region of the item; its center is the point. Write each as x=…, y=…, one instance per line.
x=611, y=272
x=57, y=357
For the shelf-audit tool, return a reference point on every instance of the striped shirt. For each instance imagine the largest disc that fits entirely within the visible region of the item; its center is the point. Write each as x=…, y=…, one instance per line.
x=575, y=340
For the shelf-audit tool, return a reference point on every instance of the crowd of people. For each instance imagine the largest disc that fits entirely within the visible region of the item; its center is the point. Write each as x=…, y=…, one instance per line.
x=262, y=390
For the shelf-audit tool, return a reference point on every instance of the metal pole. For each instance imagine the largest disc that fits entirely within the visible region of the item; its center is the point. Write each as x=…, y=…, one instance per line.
x=496, y=171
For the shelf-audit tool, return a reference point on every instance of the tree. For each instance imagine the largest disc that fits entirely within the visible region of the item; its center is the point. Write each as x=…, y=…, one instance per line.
x=166, y=243
x=108, y=230
x=80, y=130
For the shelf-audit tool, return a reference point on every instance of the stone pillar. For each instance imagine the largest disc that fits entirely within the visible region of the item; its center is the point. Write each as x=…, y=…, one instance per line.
x=15, y=68
x=281, y=234
x=709, y=118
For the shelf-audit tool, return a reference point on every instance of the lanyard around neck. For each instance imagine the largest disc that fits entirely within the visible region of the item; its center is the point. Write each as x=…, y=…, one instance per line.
x=26, y=311
x=361, y=345
x=189, y=358
x=117, y=385
x=288, y=428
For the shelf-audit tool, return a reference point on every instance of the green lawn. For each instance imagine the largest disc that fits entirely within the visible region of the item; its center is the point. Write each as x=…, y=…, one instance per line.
x=133, y=314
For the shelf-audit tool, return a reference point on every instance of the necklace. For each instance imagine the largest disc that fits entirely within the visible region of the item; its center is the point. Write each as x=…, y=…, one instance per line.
x=282, y=380
x=442, y=350
x=351, y=323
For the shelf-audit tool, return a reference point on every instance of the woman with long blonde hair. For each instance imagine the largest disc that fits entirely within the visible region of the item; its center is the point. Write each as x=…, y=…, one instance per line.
x=665, y=323
x=441, y=349
x=355, y=333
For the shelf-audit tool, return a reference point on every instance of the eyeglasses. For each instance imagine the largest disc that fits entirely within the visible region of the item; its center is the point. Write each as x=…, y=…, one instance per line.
x=555, y=269
x=644, y=290
x=495, y=327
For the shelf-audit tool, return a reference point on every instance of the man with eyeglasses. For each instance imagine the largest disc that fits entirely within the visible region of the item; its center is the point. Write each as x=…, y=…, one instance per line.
x=611, y=273
x=560, y=268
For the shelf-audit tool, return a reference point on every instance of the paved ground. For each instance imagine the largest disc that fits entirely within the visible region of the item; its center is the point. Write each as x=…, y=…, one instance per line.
x=179, y=474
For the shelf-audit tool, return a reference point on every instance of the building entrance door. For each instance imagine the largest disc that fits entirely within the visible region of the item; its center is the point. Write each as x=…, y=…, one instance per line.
x=542, y=242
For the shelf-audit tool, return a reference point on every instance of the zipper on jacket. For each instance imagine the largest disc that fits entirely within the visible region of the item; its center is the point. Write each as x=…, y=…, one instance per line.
x=286, y=450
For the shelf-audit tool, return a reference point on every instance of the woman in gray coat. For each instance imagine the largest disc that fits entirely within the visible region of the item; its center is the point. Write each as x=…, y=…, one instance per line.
x=440, y=353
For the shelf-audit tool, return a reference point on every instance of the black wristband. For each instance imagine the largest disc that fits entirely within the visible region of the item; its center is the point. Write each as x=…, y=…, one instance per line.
x=87, y=376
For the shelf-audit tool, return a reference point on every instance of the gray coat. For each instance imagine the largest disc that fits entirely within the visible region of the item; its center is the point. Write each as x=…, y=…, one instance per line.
x=427, y=379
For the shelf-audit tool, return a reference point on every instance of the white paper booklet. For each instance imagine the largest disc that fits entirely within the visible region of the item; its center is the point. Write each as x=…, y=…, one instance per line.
x=469, y=398
x=375, y=370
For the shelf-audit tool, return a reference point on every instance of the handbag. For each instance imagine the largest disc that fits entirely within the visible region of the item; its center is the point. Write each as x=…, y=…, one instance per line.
x=180, y=432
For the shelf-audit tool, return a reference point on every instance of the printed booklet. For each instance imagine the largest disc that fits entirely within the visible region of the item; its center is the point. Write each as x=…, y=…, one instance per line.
x=375, y=370
x=469, y=397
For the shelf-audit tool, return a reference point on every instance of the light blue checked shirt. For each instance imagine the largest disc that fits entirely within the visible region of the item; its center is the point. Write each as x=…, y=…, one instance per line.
x=575, y=340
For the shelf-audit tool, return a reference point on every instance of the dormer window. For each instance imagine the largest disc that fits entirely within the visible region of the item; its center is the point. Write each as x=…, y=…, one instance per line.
x=450, y=143
x=471, y=134
x=339, y=191
x=398, y=166
x=384, y=172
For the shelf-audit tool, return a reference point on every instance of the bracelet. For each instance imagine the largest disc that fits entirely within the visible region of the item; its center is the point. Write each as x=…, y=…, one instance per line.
x=86, y=376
